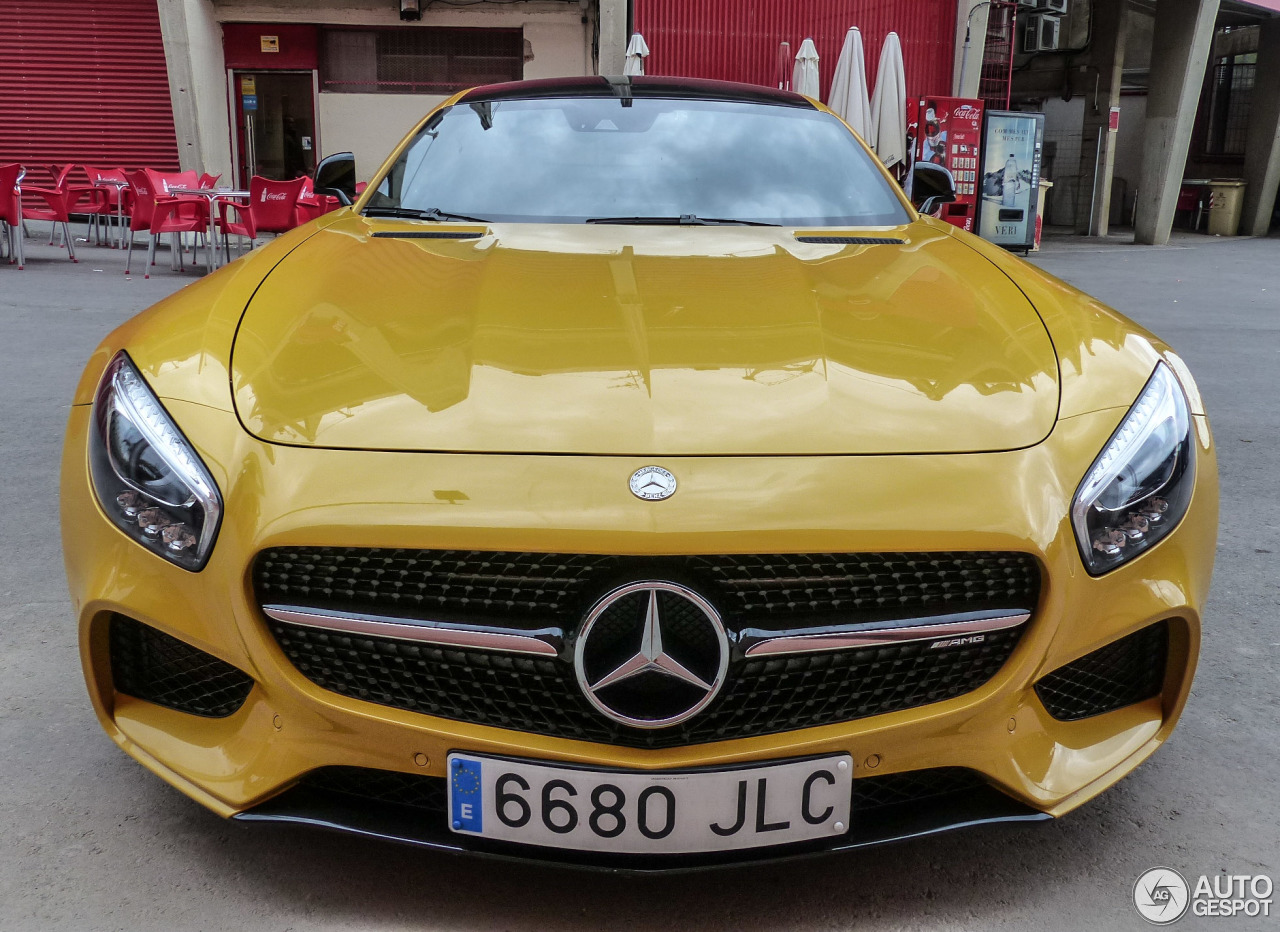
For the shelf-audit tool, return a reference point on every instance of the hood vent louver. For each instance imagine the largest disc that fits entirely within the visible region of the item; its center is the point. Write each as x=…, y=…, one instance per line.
x=427, y=234
x=851, y=240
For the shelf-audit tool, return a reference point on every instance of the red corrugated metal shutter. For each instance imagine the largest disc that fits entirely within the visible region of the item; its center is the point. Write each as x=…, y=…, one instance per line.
x=737, y=40
x=84, y=81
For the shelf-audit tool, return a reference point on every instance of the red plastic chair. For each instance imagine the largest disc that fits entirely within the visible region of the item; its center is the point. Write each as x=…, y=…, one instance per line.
x=59, y=173
x=78, y=201
x=188, y=179
x=312, y=205
x=56, y=210
x=61, y=201
x=115, y=185
x=272, y=208
x=209, y=181
x=11, y=210
x=1191, y=198
x=157, y=215
x=165, y=180
x=89, y=201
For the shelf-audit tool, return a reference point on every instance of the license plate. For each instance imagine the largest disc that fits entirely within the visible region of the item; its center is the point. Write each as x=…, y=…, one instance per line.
x=648, y=812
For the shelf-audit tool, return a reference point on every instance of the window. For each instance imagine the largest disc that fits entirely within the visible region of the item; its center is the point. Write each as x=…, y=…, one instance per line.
x=608, y=159
x=1230, y=91
x=418, y=60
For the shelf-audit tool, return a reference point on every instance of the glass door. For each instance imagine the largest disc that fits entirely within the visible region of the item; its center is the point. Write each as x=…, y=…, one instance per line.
x=275, y=123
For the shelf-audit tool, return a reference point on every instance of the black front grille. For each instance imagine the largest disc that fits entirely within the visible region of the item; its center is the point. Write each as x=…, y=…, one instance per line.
x=1121, y=673
x=149, y=664
x=911, y=787
x=430, y=794
x=761, y=695
x=535, y=589
x=381, y=786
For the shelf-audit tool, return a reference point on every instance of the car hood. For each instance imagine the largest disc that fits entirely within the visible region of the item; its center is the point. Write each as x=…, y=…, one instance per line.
x=645, y=341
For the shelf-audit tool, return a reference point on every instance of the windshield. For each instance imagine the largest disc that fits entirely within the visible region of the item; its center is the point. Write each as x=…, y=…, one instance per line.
x=581, y=160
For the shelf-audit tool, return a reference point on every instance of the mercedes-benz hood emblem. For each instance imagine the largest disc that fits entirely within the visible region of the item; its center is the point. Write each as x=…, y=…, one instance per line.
x=651, y=654
x=652, y=483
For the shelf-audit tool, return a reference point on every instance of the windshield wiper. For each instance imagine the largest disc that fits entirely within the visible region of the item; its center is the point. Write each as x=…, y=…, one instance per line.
x=684, y=220
x=412, y=213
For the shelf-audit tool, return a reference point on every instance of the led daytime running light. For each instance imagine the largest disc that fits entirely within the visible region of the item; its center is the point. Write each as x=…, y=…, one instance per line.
x=125, y=402
x=1109, y=533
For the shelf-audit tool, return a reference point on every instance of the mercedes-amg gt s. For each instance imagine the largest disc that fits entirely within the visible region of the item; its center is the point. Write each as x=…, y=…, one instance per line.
x=631, y=477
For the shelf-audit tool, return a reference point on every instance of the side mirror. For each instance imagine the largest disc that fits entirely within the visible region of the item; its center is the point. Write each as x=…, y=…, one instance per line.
x=336, y=176
x=932, y=186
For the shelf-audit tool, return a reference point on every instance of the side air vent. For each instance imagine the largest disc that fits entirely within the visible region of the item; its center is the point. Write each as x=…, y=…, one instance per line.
x=151, y=665
x=1118, y=674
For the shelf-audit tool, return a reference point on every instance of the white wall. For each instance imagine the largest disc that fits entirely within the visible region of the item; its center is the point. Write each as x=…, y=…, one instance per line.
x=369, y=125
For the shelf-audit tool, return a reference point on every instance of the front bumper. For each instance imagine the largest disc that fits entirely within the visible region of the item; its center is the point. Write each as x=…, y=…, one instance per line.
x=249, y=763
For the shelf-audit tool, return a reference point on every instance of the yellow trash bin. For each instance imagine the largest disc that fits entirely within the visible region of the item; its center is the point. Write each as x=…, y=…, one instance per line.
x=1226, y=200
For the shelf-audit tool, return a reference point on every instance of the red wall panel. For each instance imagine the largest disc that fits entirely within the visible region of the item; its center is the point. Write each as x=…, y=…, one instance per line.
x=737, y=40
x=84, y=81
x=242, y=44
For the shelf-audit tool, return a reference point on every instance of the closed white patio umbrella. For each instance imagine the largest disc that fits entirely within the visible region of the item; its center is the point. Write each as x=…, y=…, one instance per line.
x=637, y=52
x=889, y=105
x=804, y=77
x=849, y=97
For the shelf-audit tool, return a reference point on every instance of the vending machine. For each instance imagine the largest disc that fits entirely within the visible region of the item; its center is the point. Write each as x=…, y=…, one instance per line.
x=947, y=131
x=1011, y=147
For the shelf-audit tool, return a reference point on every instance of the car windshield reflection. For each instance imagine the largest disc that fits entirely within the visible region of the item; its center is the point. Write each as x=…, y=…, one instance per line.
x=638, y=160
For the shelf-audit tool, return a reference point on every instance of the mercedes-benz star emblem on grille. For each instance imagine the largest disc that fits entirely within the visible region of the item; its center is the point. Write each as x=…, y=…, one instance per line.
x=652, y=483
x=651, y=654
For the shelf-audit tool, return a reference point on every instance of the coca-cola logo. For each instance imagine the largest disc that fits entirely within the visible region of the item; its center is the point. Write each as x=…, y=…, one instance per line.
x=270, y=196
x=966, y=112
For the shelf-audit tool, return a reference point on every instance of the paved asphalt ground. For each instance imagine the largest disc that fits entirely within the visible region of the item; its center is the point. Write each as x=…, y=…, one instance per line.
x=91, y=841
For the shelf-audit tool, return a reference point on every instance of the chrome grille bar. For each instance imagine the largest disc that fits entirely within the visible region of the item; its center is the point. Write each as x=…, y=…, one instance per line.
x=756, y=642
x=545, y=642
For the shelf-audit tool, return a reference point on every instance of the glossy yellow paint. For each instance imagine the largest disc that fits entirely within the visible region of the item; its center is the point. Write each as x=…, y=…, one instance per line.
x=974, y=390
x=289, y=495
x=787, y=347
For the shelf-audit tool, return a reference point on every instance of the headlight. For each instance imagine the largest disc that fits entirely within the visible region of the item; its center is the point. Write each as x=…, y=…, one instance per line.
x=1139, y=487
x=146, y=475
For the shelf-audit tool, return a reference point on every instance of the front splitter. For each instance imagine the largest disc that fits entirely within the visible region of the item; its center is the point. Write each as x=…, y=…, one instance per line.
x=408, y=825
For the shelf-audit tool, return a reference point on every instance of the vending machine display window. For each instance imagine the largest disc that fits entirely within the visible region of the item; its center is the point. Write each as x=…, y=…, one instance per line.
x=947, y=131
x=1011, y=148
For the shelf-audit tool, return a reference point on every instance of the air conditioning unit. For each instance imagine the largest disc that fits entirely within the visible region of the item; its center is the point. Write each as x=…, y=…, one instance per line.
x=1042, y=33
x=1053, y=6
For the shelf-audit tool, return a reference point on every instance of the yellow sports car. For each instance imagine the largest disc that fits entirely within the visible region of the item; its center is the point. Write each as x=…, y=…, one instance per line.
x=631, y=477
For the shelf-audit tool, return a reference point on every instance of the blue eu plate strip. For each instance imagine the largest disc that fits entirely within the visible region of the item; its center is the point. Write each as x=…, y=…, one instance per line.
x=466, y=798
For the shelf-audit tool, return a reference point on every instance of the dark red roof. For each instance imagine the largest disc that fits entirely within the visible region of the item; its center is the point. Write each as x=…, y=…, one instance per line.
x=638, y=86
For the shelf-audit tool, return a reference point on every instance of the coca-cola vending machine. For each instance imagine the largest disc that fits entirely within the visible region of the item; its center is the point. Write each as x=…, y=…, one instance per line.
x=947, y=131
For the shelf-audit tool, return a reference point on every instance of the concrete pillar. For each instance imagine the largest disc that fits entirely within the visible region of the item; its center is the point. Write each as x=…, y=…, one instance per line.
x=197, y=85
x=1262, y=144
x=1179, y=53
x=613, y=36
x=1097, y=139
x=971, y=20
